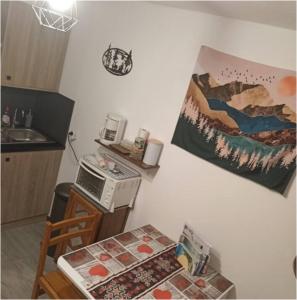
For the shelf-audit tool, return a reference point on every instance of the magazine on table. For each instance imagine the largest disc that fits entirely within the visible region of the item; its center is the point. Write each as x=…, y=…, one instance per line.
x=193, y=252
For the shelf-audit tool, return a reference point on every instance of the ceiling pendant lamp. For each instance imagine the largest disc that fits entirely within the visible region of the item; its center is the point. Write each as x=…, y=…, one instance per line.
x=56, y=14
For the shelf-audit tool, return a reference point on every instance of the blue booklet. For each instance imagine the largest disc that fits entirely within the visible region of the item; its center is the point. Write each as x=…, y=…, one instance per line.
x=192, y=252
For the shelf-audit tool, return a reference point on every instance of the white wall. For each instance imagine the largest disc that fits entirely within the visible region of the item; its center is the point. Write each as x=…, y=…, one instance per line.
x=251, y=228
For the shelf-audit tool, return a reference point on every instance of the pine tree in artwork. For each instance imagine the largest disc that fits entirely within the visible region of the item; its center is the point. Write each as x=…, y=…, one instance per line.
x=275, y=158
x=251, y=160
x=190, y=110
x=254, y=163
x=210, y=134
x=225, y=151
x=220, y=143
x=236, y=155
x=288, y=158
x=202, y=123
x=264, y=162
x=206, y=130
x=243, y=159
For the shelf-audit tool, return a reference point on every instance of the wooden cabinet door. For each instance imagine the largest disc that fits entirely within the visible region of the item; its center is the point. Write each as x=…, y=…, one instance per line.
x=32, y=55
x=14, y=183
x=110, y=223
x=4, y=12
x=44, y=170
x=27, y=183
x=113, y=223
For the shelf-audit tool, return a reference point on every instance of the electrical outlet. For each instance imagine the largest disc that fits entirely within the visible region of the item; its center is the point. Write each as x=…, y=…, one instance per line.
x=72, y=136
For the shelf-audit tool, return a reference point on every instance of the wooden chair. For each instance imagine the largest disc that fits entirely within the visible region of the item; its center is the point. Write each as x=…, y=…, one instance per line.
x=55, y=284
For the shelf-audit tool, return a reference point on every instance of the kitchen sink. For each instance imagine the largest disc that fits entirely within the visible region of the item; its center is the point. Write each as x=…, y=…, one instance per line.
x=23, y=135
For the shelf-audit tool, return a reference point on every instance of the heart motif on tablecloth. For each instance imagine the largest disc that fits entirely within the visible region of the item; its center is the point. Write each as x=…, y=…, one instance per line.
x=201, y=283
x=98, y=270
x=146, y=238
x=160, y=294
x=104, y=257
x=145, y=249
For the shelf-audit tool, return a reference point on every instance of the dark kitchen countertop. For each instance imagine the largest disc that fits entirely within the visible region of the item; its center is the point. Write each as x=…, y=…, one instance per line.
x=24, y=147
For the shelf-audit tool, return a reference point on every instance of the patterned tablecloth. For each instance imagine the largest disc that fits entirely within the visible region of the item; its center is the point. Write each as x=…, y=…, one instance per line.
x=138, y=264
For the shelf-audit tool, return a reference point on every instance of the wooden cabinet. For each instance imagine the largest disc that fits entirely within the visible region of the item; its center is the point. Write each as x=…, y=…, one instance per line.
x=110, y=223
x=32, y=55
x=27, y=183
x=113, y=223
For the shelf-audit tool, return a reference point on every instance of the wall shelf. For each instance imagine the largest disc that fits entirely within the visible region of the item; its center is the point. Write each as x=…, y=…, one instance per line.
x=137, y=163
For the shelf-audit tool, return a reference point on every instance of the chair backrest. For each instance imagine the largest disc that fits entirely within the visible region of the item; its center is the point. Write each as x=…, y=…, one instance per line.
x=86, y=232
x=78, y=206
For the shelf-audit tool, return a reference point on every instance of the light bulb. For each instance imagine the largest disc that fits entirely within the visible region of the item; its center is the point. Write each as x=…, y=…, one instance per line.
x=60, y=5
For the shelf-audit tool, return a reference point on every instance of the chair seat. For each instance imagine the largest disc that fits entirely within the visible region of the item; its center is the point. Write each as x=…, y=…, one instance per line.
x=61, y=285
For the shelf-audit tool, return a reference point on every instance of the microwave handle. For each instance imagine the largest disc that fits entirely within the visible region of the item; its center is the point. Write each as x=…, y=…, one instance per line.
x=89, y=171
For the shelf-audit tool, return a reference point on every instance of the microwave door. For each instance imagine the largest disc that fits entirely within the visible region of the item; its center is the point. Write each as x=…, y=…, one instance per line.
x=90, y=181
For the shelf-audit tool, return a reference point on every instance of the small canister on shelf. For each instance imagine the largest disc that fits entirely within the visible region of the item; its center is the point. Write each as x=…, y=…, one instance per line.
x=153, y=152
x=139, y=144
x=143, y=133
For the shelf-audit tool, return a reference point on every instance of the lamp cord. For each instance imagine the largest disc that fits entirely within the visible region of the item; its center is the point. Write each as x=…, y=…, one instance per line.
x=70, y=144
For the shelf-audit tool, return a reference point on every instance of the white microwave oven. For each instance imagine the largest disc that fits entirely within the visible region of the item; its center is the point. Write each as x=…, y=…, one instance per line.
x=110, y=189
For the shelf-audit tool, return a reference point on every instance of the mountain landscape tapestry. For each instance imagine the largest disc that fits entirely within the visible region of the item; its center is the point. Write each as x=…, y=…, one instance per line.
x=241, y=116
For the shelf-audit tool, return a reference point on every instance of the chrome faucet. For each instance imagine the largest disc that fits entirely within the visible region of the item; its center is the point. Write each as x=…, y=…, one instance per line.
x=14, y=121
x=18, y=117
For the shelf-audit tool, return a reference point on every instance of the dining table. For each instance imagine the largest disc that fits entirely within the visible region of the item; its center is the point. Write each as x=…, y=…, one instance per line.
x=140, y=263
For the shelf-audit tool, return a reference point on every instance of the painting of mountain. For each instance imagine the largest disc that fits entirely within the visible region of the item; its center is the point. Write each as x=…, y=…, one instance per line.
x=241, y=116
